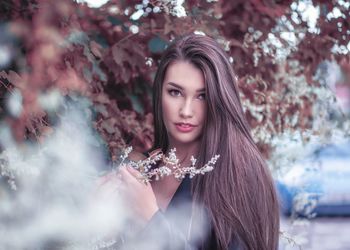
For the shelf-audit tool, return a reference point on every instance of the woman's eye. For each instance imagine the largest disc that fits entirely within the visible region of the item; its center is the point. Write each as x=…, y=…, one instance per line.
x=174, y=92
x=201, y=97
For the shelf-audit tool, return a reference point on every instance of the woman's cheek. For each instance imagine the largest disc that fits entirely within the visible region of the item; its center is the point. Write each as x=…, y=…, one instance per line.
x=169, y=107
x=166, y=114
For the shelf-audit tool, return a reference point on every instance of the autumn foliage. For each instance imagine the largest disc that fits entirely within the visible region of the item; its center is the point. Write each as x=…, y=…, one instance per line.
x=109, y=56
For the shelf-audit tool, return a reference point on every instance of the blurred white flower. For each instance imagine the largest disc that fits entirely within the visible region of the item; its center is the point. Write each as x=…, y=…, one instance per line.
x=156, y=9
x=178, y=11
x=174, y=7
x=5, y=55
x=134, y=29
x=51, y=100
x=114, y=10
x=149, y=61
x=93, y=3
x=15, y=103
x=55, y=182
x=136, y=15
x=198, y=32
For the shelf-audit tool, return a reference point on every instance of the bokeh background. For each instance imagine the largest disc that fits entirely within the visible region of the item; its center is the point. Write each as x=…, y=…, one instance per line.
x=291, y=59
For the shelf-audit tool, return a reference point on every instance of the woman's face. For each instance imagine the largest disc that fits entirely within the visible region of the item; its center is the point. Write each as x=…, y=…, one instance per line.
x=183, y=102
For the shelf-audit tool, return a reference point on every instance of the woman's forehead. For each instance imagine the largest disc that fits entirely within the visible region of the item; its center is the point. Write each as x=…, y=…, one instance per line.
x=184, y=75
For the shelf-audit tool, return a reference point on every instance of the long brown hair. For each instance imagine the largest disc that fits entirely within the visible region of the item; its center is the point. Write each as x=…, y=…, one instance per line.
x=239, y=194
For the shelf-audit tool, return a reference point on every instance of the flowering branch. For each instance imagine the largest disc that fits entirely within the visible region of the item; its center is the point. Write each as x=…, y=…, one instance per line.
x=171, y=166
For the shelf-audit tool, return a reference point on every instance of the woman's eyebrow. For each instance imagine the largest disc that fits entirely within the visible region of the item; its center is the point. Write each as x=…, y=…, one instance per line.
x=175, y=85
x=179, y=87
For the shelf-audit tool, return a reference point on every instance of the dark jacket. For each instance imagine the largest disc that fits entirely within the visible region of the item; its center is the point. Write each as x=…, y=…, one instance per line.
x=168, y=232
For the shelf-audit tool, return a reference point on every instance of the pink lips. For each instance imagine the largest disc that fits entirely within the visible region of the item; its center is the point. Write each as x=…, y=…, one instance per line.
x=185, y=127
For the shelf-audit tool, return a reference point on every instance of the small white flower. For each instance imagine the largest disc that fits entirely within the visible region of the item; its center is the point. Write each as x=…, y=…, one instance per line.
x=137, y=15
x=193, y=161
x=149, y=61
x=198, y=32
x=93, y=3
x=178, y=11
x=156, y=9
x=134, y=29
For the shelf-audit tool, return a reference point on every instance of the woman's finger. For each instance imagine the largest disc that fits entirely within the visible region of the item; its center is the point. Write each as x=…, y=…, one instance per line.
x=111, y=177
x=129, y=177
x=106, y=190
x=124, y=175
x=101, y=180
x=134, y=172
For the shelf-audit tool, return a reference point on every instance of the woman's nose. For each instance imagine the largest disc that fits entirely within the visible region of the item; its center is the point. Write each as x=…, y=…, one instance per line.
x=186, y=109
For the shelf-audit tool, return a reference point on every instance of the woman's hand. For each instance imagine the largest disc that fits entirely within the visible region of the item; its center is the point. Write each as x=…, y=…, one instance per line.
x=139, y=196
x=108, y=188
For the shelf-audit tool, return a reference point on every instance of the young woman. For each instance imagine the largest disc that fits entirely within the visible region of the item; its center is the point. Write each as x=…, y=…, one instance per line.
x=197, y=110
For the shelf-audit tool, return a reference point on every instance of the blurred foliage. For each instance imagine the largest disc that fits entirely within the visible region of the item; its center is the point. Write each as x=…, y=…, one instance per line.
x=110, y=54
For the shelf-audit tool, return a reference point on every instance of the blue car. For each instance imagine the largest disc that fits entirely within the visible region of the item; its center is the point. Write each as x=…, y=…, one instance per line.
x=318, y=185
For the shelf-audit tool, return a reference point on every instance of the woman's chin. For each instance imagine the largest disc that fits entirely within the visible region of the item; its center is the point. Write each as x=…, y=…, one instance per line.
x=185, y=139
